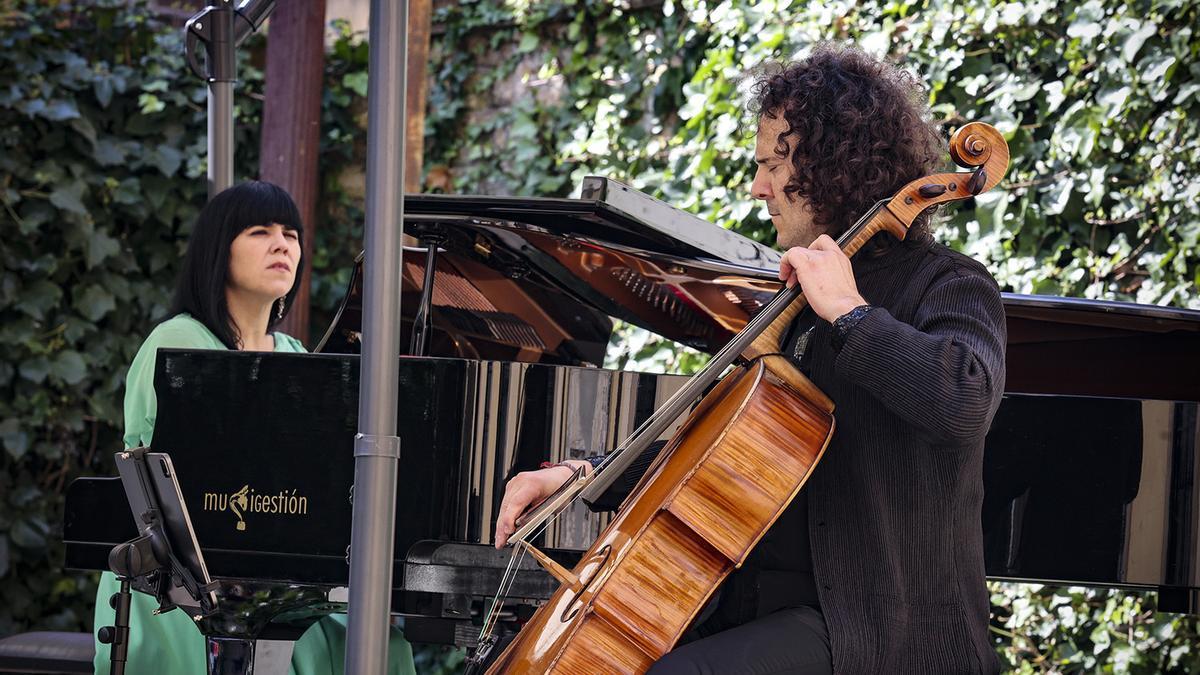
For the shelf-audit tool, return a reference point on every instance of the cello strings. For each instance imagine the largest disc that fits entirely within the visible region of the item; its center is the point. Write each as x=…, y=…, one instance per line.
x=723, y=353
x=721, y=360
x=509, y=577
x=659, y=421
x=492, y=616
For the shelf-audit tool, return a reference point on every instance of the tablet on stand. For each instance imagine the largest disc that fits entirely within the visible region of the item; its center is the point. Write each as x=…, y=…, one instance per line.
x=165, y=559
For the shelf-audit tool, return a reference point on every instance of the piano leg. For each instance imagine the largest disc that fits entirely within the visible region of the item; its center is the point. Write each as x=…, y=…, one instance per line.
x=230, y=656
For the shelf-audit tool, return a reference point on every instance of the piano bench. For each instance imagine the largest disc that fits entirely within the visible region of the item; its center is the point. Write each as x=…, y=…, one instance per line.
x=47, y=652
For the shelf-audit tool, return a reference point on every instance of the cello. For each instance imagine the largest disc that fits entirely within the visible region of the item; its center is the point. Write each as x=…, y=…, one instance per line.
x=726, y=475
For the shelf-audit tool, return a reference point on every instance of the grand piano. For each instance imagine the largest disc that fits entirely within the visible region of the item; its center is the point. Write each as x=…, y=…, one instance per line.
x=509, y=305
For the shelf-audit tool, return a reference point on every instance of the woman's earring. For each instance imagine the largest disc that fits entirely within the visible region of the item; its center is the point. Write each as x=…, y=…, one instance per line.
x=279, y=312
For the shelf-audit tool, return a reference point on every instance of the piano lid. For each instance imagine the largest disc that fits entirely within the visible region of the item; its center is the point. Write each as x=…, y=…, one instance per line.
x=1102, y=348
x=607, y=211
x=537, y=280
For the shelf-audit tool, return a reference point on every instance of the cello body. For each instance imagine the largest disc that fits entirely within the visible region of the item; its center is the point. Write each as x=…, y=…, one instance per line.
x=739, y=460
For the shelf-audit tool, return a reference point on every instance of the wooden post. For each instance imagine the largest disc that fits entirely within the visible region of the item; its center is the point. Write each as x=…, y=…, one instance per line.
x=419, y=20
x=292, y=117
x=292, y=123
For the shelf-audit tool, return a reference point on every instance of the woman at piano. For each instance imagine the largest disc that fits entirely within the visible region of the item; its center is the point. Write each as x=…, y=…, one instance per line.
x=239, y=277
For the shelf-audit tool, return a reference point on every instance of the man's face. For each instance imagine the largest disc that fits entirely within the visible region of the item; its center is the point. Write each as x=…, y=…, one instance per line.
x=790, y=215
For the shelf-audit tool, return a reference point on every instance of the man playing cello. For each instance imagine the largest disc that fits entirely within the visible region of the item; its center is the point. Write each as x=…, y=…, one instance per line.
x=877, y=565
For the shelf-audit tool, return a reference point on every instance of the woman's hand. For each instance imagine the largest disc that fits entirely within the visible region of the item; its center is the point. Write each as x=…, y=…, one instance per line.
x=526, y=490
x=824, y=272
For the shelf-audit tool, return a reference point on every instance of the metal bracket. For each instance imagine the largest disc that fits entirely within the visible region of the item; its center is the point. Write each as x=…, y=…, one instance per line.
x=376, y=446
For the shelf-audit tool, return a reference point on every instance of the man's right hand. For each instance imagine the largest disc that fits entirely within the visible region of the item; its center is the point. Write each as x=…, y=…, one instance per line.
x=528, y=489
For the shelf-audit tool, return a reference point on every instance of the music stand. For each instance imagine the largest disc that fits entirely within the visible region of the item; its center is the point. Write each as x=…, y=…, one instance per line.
x=165, y=560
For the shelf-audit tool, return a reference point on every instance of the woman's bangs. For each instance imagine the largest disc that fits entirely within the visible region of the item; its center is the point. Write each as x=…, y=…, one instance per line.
x=263, y=204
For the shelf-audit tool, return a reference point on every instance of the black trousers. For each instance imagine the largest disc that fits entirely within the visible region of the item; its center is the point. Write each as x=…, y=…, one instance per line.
x=793, y=641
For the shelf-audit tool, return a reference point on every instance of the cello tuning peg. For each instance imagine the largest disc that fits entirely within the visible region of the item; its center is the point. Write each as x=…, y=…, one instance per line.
x=977, y=180
x=931, y=190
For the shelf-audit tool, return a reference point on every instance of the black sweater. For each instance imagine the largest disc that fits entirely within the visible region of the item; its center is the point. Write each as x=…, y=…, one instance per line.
x=894, y=505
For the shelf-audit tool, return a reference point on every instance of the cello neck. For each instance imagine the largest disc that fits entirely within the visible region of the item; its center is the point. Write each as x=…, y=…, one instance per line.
x=762, y=336
x=770, y=341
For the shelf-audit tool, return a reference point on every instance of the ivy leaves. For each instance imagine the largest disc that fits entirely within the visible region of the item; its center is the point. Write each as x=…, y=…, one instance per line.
x=1097, y=100
x=1087, y=163
x=97, y=192
x=1076, y=629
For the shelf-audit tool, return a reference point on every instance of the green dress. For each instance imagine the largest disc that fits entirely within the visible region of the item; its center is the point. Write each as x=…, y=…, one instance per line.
x=169, y=643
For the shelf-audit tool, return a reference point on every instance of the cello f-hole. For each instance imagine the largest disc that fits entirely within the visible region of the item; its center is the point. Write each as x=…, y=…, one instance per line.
x=589, y=574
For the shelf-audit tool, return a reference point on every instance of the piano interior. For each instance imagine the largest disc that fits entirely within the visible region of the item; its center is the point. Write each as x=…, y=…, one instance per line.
x=502, y=291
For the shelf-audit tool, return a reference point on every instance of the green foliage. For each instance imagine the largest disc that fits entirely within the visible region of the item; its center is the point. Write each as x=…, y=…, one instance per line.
x=343, y=177
x=98, y=127
x=1043, y=629
x=102, y=172
x=1098, y=101
x=632, y=348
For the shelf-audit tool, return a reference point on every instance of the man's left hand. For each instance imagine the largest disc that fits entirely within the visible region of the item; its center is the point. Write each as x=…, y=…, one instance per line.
x=824, y=272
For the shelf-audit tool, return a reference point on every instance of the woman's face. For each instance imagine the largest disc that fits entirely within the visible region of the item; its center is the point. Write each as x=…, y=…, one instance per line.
x=263, y=260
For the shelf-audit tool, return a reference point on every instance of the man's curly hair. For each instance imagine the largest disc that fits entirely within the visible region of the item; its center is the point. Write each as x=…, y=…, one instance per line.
x=861, y=131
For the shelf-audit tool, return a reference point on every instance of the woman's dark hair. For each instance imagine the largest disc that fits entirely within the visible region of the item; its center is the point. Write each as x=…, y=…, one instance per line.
x=861, y=131
x=201, y=288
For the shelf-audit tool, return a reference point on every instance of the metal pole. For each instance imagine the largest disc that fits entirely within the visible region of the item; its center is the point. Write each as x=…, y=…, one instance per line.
x=216, y=27
x=221, y=27
x=221, y=45
x=376, y=447
x=220, y=136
